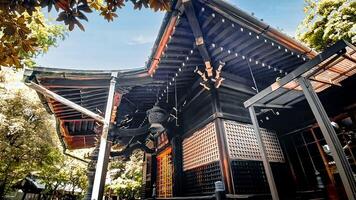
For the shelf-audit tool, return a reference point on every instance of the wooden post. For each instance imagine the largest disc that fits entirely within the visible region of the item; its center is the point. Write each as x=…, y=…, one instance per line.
x=154, y=170
x=225, y=162
x=177, y=165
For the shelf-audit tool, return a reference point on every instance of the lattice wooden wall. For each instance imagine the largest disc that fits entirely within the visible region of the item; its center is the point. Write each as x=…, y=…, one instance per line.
x=242, y=142
x=164, y=173
x=200, y=148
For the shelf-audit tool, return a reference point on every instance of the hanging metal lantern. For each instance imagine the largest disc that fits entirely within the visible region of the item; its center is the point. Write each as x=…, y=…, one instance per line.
x=157, y=117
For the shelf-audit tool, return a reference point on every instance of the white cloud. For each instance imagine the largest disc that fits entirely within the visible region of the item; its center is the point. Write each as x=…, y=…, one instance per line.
x=138, y=40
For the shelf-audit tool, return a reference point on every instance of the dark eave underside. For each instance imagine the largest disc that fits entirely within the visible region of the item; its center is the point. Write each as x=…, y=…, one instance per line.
x=89, y=89
x=226, y=41
x=230, y=36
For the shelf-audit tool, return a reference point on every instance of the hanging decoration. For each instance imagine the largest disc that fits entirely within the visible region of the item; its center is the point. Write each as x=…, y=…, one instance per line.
x=157, y=117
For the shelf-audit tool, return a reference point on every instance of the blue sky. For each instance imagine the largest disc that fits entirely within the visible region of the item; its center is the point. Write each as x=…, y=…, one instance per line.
x=126, y=43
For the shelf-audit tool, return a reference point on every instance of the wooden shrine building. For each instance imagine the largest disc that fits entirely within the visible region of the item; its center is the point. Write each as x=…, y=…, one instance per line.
x=223, y=97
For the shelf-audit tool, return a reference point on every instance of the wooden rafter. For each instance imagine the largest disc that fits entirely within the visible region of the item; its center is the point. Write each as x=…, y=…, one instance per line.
x=198, y=35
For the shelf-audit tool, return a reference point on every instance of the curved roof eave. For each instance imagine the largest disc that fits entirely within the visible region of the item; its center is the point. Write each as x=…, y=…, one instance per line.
x=253, y=23
x=233, y=13
x=84, y=71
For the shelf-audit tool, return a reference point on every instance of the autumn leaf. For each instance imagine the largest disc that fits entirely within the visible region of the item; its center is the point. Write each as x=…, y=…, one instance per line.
x=25, y=36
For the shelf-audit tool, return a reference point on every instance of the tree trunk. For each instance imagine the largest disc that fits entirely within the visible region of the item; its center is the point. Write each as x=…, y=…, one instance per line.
x=2, y=189
x=3, y=183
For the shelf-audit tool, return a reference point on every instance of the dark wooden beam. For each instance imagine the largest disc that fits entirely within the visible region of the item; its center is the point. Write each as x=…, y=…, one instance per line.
x=272, y=106
x=67, y=83
x=325, y=82
x=198, y=34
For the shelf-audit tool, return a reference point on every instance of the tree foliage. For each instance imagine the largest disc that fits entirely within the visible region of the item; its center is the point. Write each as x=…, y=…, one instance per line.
x=328, y=21
x=72, y=11
x=25, y=35
x=126, y=177
x=65, y=173
x=28, y=142
x=25, y=131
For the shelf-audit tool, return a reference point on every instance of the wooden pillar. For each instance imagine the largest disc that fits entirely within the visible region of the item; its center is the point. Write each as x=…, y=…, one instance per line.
x=176, y=143
x=149, y=176
x=154, y=169
x=153, y=176
x=225, y=161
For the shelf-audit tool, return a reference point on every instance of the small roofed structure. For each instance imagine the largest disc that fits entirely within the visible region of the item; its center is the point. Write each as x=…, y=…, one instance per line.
x=34, y=189
x=88, y=89
x=31, y=188
x=187, y=110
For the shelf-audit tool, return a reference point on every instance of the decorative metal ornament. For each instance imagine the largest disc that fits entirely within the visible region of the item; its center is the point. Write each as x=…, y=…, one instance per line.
x=211, y=75
x=157, y=117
